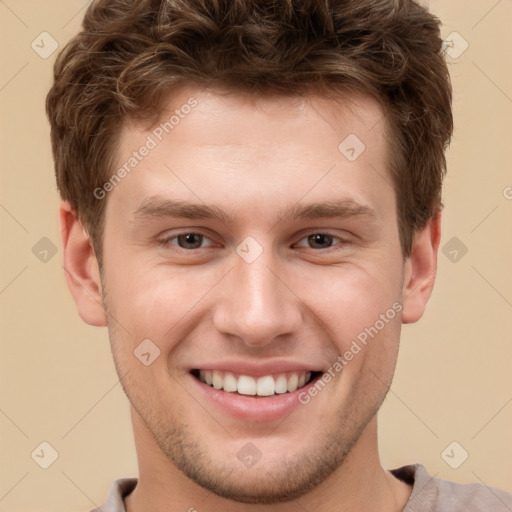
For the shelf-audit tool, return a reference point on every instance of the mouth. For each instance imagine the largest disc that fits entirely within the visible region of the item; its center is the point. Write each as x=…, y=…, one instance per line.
x=248, y=385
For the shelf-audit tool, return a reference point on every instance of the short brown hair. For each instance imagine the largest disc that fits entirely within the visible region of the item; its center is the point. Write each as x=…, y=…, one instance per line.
x=131, y=53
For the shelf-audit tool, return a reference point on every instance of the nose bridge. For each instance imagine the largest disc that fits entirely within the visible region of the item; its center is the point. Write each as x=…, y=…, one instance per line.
x=259, y=290
x=256, y=305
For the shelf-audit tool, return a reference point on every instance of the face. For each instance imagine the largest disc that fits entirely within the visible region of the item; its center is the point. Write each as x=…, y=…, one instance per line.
x=260, y=260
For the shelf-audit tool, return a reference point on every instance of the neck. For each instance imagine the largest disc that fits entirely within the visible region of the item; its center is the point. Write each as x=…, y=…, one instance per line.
x=360, y=484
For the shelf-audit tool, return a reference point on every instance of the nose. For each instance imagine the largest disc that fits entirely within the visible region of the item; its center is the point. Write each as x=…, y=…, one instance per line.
x=257, y=303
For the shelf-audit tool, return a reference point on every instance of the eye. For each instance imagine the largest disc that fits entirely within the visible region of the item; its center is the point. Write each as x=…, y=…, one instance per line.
x=324, y=240
x=188, y=241
x=193, y=241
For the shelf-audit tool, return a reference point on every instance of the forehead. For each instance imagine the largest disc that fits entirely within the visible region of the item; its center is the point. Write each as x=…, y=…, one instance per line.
x=226, y=146
x=233, y=108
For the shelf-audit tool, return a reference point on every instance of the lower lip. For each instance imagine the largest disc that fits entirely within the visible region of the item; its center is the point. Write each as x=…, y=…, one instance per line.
x=254, y=408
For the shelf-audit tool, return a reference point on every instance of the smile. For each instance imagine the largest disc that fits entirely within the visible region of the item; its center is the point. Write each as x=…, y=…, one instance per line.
x=267, y=385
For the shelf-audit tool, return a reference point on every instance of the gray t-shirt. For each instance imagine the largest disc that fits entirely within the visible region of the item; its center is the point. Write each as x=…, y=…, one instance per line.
x=429, y=494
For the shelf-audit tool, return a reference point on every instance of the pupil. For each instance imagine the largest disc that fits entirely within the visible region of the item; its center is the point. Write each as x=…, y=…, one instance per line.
x=188, y=240
x=321, y=239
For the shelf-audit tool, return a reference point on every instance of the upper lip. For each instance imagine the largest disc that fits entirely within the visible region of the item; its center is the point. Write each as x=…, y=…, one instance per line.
x=260, y=369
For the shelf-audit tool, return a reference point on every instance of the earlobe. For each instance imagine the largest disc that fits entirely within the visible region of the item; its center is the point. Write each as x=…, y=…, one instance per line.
x=420, y=270
x=81, y=268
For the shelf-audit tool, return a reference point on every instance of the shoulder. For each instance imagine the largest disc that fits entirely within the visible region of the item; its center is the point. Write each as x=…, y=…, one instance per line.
x=115, y=498
x=431, y=494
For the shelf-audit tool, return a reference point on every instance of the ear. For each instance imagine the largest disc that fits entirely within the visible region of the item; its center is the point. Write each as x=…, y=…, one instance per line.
x=420, y=270
x=81, y=268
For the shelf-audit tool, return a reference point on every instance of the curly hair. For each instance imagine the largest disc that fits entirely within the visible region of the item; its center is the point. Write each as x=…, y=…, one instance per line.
x=130, y=54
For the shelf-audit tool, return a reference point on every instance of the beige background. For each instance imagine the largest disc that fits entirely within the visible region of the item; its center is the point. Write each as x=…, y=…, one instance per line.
x=58, y=383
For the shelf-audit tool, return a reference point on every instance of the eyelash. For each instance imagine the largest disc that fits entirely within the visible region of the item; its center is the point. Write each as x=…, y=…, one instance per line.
x=166, y=242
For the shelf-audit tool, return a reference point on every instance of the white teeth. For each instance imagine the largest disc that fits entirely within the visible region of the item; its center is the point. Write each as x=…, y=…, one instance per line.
x=230, y=382
x=246, y=385
x=217, y=380
x=267, y=385
x=293, y=382
x=281, y=385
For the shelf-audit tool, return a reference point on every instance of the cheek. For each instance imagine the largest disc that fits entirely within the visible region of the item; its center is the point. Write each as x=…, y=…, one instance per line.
x=353, y=298
x=360, y=310
x=154, y=302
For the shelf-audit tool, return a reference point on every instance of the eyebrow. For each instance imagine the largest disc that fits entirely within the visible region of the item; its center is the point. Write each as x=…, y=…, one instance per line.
x=156, y=207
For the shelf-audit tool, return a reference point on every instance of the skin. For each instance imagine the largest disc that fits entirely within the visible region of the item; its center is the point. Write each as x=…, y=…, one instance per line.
x=252, y=157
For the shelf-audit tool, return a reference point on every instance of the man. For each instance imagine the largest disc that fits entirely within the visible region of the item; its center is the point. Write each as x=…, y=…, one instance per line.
x=252, y=206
